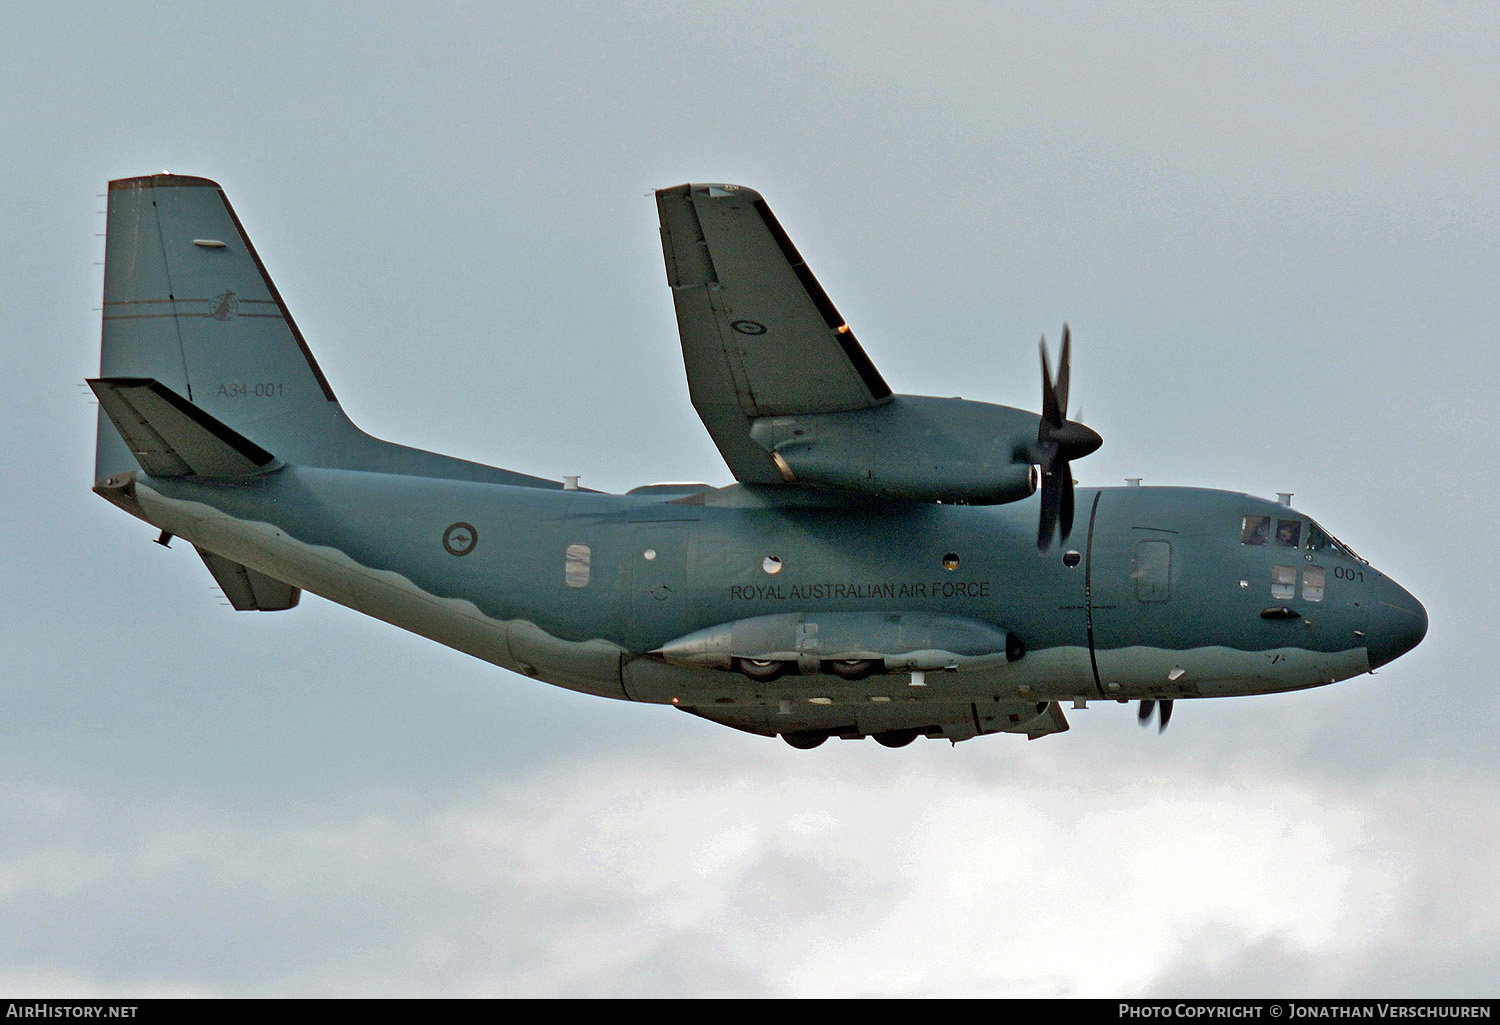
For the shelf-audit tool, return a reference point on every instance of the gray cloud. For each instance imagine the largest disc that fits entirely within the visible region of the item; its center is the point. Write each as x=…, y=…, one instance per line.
x=857, y=876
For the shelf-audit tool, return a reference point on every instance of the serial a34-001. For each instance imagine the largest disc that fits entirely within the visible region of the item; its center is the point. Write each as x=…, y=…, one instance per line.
x=886, y=565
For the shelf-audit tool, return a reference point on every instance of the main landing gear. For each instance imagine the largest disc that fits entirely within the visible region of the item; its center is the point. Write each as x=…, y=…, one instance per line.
x=806, y=740
x=766, y=670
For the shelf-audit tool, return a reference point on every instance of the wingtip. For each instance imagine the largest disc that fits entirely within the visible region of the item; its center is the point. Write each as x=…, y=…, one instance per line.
x=163, y=181
x=710, y=191
x=724, y=190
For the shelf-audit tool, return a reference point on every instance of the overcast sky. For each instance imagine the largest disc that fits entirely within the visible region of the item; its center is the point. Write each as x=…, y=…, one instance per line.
x=1273, y=231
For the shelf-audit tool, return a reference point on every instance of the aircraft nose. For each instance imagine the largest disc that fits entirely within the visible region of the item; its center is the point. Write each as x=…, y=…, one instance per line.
x=1397, y=623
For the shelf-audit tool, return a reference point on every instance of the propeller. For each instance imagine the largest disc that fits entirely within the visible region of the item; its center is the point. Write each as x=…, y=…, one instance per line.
x=1147, y=706
x=1058, y=442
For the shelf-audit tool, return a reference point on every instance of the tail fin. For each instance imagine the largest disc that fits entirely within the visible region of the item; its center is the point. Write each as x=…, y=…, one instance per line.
x=188, y=304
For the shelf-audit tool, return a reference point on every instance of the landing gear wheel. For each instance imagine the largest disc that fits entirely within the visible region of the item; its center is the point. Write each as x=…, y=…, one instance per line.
x=804, y=741
x=853, y=668
x=896, y=738
x=761, y=670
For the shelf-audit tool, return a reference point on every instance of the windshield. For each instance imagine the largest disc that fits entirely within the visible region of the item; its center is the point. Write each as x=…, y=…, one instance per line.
x=1319, y=540
x=1292, y=532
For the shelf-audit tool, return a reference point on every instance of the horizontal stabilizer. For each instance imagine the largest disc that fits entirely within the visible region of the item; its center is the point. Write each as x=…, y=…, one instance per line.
x=247, y=589
x=171, y=437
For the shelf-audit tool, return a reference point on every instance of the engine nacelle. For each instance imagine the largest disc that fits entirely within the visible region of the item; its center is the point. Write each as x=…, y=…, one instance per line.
x=913, y=447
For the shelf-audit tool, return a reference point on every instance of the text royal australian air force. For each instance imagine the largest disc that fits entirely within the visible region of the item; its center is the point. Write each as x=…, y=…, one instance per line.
x=919, y=590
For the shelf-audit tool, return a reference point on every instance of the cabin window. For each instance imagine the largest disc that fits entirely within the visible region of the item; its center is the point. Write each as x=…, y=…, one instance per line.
x=1255, y=530
x=1284, y=582
x=771, y=564
x=1313, y=581
x=1289, y=533
x=576, y=566
x=950, y=562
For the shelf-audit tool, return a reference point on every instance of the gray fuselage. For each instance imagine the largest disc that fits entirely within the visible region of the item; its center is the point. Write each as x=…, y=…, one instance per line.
x=1156, y=595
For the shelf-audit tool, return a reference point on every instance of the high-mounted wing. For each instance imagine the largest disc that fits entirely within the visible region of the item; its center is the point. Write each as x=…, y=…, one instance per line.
x=789, y=396
x=759, y=335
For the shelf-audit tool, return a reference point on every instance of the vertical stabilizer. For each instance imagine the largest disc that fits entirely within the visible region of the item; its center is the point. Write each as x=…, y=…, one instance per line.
x=189, y=306
x=188, y=303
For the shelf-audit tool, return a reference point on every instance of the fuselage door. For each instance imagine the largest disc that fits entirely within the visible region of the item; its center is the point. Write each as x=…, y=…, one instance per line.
x=1153, y=571
x=1136, y=563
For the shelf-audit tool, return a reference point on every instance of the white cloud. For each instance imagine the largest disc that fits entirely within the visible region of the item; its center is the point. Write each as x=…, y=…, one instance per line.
x=857, y=873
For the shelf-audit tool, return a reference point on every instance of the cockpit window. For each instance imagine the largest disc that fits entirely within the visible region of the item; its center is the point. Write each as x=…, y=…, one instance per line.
x=1289, y=533
x=1319, y=541
x=1255, y=530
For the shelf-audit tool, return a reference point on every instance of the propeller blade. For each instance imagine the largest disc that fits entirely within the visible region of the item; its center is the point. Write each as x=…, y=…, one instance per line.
x=1058, y=440
x=1051, y=510
x=1064, y=473
x=1052, y=415
x=1148, y=706
x=1064, y=364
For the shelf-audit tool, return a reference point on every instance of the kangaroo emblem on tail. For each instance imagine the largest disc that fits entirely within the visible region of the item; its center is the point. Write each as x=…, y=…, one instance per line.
x=223, y=306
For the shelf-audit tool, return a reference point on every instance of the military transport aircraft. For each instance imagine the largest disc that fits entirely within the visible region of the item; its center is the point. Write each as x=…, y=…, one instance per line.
x=887, y=566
